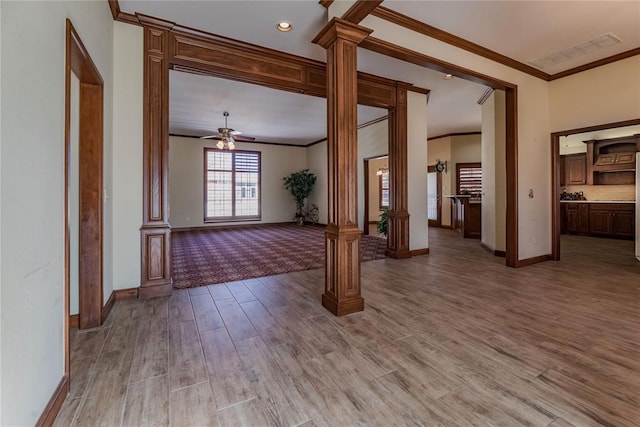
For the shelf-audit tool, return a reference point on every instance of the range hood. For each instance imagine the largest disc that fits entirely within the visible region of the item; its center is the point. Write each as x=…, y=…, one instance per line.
x=613, y=162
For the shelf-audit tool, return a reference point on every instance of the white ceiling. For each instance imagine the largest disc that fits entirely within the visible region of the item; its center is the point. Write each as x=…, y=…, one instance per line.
x=527, y=30
x=269, y=115
x=541, y=28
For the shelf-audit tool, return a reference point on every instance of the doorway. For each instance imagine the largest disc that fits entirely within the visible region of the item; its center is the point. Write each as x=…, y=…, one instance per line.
x=579, y=178
x=85, y=100
x=434, y=197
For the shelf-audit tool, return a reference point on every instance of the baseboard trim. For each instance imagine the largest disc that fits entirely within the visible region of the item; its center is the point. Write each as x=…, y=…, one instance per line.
x=116, y=295
x=55, y=403
x=228, y=226
x=108, y=306
x=130, y=293
x=502, y=254
x=416, y=252
x=534, y=260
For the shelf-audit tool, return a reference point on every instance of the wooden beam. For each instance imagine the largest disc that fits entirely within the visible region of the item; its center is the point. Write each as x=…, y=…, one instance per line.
x=360, y=10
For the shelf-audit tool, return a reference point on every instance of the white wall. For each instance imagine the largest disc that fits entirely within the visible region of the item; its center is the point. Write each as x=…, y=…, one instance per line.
x=186, y=180
x=417, y=170
x=534, y=151
x=373, y=141
x=606, y=94
x=74, y=196
x=494, y=172
x=32, y=270
x=317, y=163
x=440, y=149
x=127, y=153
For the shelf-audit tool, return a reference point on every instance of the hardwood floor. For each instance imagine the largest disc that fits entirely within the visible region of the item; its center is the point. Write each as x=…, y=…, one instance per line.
x=451, y=338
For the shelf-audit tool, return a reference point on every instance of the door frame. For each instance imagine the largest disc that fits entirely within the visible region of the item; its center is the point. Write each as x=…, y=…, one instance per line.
x=438, y=221
x=91, y=142
x=555, y=176
x=365, y=209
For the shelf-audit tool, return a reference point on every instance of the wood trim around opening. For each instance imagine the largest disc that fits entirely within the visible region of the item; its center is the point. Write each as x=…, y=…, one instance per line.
x=232, y=218
x=555, y=176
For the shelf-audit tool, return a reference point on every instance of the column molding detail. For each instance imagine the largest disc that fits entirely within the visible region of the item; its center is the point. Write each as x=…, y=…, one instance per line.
x=342, y=236
x=398, y=214
x=155, y=232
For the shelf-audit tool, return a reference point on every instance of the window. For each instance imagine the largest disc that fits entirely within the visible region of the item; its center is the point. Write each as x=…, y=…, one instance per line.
x=232, y=185
x=384, y=190
x=469, y=178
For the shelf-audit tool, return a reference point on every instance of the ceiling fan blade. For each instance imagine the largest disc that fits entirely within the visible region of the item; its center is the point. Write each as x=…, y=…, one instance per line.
x=235, y=132
x=211, y=137
x=243, y=138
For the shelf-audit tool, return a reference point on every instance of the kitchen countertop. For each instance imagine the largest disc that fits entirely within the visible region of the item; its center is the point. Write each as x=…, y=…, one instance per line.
x=597, y=201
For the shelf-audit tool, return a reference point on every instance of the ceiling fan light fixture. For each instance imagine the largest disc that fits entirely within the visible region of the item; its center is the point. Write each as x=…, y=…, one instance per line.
x=220, y=145
x=284, y=26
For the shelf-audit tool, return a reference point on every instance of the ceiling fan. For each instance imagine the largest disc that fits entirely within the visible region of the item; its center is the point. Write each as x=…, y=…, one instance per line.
x=227, y=137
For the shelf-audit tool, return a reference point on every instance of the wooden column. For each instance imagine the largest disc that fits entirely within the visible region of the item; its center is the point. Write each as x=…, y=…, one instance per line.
x=155, y=231
x=398, y=215
x=342, y=236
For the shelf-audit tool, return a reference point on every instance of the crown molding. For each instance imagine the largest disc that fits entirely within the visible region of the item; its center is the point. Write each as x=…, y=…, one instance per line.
x=364, y=125
x=595, y=64
x=326, y=3
x=438, y=34
x=453, y=134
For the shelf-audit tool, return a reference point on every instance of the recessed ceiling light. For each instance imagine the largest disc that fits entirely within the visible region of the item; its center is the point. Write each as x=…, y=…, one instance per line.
x=448, y=76
x=284, y=26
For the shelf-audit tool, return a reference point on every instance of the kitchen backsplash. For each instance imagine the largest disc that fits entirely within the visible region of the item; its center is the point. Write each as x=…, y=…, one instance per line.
x=604, y=192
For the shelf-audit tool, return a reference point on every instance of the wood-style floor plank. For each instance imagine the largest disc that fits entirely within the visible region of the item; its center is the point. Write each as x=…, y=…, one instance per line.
x=186, y=362
x=228, y=378
x=147, y=403
x=193, y=406
x=206, y=312
x=454, y=338
x=103, y=400
x=236, y=322
x=151, y=356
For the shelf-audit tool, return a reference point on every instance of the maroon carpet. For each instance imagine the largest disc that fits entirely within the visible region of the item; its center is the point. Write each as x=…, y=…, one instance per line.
x=204, y=257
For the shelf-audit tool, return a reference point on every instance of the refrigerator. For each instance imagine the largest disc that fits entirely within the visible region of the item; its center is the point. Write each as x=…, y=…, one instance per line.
x=638, y=206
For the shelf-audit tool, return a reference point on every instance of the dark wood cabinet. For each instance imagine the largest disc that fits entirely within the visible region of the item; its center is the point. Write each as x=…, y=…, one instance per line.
x=573, y=169
x=613, y=220
x=466, y=216
x=577, y=218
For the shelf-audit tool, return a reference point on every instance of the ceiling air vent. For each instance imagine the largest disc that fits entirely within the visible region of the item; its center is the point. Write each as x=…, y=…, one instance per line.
x=580, y=49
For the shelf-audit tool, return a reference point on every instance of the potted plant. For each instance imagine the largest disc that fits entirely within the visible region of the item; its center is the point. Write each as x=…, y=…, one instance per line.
x=300, y=185
x=381, y=226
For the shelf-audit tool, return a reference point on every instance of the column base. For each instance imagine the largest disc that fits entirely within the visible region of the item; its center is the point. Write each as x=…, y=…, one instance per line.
x=155, y=291
x=397, y=254
x=341, y=308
